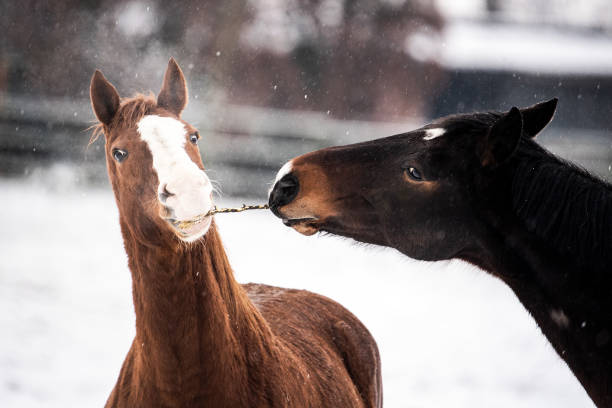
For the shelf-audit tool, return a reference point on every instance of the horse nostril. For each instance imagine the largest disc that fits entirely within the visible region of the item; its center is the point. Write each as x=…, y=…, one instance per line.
x=284, y=191
x=164, y=194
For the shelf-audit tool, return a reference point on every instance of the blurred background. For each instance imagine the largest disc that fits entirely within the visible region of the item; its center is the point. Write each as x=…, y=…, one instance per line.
x=268, y=80
x=273, y=78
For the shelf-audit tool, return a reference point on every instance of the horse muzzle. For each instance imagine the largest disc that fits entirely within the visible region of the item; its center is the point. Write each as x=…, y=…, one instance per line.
x=285, y=190
x=185, y=205
x=282, y=195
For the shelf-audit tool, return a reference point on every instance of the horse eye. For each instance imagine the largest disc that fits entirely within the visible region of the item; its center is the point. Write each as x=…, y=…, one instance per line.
x=194, y=137
x=414, y=174
x=119, y=155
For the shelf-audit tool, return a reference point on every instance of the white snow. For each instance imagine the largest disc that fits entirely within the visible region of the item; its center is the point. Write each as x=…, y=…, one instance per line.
x=470, y=45
x=277, y=26
x=560, y=318
x=452, y=9
x=136, y=19
x=434, y=133
x=449, y=335
x=595, y=14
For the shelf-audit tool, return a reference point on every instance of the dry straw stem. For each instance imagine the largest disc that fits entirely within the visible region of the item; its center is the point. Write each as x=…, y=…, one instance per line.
x=215, y=210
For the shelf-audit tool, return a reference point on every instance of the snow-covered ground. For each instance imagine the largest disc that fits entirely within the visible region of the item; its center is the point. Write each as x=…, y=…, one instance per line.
x=472, y=45
x=449, y=335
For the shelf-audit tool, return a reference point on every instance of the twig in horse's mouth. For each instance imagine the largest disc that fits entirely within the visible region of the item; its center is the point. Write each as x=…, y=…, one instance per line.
x=244, y=207
x=215, y=210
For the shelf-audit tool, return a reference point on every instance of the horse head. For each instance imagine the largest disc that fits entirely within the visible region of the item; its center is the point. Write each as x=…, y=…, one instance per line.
x=420, y=192
x=153, y=160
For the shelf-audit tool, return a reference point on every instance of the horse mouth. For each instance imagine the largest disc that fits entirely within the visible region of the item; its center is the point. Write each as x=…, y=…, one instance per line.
x=192, y=229
x=189, y=224
x=305, y=226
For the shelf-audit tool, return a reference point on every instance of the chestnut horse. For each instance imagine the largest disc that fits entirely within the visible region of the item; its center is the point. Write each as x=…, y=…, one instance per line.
x=477, y=187
x=203, y=340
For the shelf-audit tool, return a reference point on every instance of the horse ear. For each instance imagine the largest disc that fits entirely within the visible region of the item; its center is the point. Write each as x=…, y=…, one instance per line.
x=173, y=95
x=536, y=117
x=503, y=139
x=104, y=98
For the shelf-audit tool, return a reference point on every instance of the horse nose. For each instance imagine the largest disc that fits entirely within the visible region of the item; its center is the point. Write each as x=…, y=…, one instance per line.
x=284, y=191
x=164, y=194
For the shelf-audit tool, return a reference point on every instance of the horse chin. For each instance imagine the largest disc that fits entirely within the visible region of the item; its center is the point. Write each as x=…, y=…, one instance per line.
x=194, y=231
x=306, y=229
x=305, y=226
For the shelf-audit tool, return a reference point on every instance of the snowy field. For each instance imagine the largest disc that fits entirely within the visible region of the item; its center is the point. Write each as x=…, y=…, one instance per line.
x=449, y=335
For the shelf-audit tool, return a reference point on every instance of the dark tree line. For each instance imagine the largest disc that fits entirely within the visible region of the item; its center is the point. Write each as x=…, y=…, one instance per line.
x=347, y=57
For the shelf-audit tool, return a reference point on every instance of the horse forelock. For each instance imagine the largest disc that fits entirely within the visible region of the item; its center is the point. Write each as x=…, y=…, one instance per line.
x=129, y=114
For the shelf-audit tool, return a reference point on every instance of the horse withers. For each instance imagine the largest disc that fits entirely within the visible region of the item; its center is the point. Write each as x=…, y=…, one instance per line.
x=202, y=339
x=477, y=187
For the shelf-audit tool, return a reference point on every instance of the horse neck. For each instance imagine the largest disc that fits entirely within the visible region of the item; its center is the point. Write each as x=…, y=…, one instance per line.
x=572, y=313
x=193, y=320
x=552, y=217
x=568, y=300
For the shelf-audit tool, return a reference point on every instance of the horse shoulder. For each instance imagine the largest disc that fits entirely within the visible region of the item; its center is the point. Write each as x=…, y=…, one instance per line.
x=326, y=336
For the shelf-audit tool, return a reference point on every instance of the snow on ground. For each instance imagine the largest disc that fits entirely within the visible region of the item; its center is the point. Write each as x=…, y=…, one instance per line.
x=472, y=46
x=449, y=335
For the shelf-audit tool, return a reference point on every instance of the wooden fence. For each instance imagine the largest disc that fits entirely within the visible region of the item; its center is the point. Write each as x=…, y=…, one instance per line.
x=242, y=146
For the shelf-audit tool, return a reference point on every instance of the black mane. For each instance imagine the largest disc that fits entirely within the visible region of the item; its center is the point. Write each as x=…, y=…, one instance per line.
x=564, y=205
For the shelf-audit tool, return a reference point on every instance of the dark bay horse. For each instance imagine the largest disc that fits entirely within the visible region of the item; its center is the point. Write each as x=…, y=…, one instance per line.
x=202, y=339
x=479, y=188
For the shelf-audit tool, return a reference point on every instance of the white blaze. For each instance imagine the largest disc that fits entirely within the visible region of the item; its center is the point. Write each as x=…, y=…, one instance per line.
x=431, y=134
x=286, y=169
x=190, y=186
